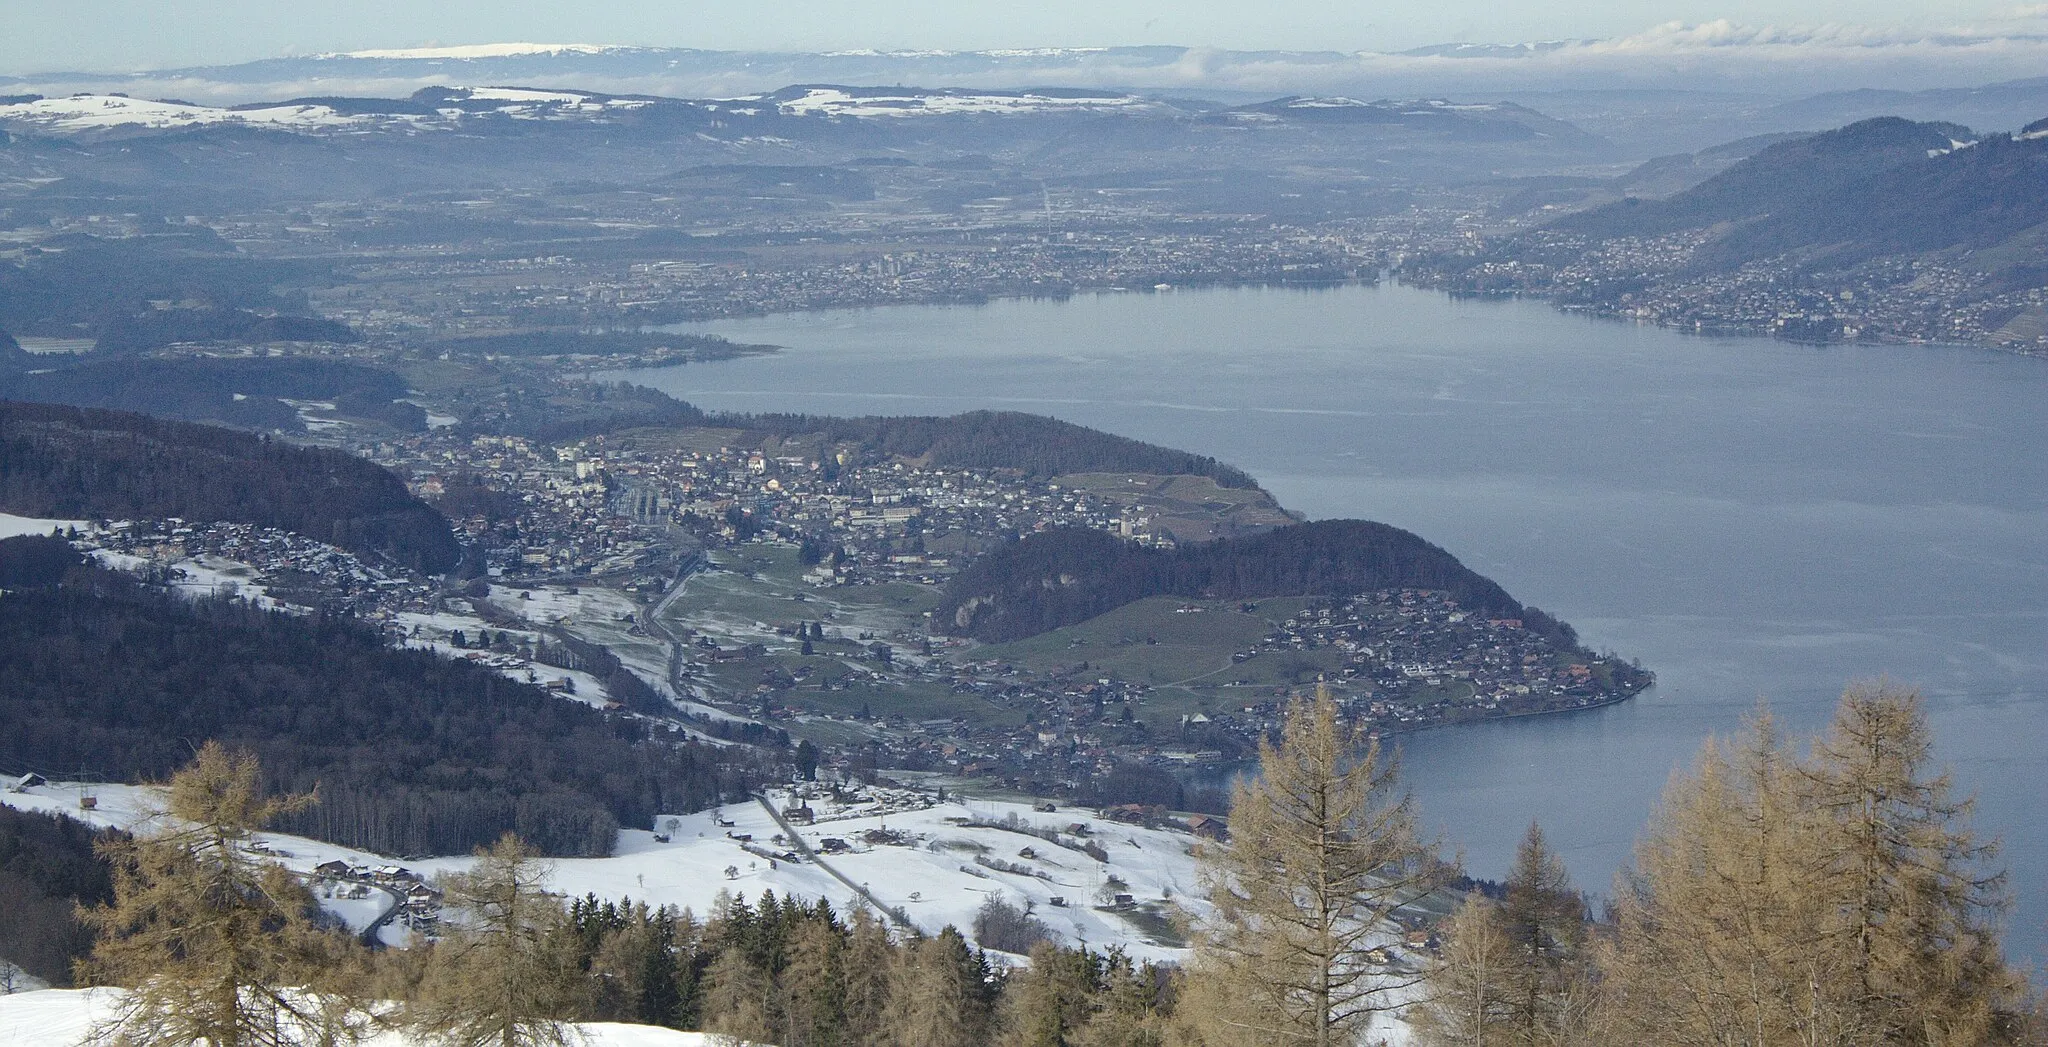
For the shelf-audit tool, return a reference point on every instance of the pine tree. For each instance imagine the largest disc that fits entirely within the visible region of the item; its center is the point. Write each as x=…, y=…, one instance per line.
x=1719, y=932
x=936, y=996
x=1469, y=984
x=811, y=990
x=505, y=972
x=1322, y=850
x=1047, y=1003
x=1839, y=900
x=736, y=997
x=1916, y=906
x=1127, y=1011
x=1544, y=920
x=867, y=964
x=214, y=944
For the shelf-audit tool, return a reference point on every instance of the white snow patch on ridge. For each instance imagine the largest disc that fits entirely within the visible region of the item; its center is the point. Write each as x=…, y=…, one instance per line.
x=465, y=51
x=832, y=101
x=90, y=112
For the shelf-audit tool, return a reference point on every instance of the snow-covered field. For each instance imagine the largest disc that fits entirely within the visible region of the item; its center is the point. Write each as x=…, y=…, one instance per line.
x=97, y=112
x=64, y=1017
x=931, y=874
x=12, y=526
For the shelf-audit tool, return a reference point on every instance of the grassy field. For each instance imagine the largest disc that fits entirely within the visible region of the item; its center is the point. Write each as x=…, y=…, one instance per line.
x=1185, y=656
x=1159, y=641
x=759, y=587
x=1180, y=648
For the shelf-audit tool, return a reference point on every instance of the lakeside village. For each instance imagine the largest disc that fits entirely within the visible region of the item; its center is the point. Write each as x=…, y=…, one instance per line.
x=878, y=691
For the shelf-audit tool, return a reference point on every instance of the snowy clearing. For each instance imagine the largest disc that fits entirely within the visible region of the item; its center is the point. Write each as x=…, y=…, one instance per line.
x=64, y=1017
x=928, y=867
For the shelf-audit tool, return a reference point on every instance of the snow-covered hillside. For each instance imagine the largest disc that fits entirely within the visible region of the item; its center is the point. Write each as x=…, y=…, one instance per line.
x=935, y=863
x=64, y=1017
x=452, y=108
x=101, y=112
x=884, y=103
x=464, y=52
x=12, y=526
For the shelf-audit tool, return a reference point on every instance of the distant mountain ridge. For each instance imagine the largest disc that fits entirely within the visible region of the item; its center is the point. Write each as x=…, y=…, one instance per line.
x=1786, y=58
x=792, y=111
x=1885, y=186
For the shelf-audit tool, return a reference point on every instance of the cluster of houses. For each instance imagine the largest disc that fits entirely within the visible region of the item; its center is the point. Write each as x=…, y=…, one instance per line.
x=1413, y=657
x=419, y=902
x=292, y=570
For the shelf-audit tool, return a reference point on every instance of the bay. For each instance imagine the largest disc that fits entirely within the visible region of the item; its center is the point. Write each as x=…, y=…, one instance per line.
x=1751, y=519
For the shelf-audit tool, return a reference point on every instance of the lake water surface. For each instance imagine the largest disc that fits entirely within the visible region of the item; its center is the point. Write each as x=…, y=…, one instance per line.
x=1752, y=519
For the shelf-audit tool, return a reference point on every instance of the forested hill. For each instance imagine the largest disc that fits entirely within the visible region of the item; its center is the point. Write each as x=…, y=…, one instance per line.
x=106, y=678
x=1880, y=187
x=241, y=393
x=1066, y=576
x=1029, y=443
x=70, y=462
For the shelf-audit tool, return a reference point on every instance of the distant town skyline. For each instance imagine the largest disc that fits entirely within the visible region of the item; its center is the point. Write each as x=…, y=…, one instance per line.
x=120, y=35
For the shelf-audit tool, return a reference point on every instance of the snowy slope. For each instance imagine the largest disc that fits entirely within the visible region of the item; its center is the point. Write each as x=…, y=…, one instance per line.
x=884, y=103
x=64, y=1017
x=12, y=526
x=926, y=875
x=101, y=112
x=473, y=51
x=84, y=114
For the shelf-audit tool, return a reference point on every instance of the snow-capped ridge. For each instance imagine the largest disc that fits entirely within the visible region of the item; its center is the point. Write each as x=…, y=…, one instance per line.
x=869, y=102
x=475, y=51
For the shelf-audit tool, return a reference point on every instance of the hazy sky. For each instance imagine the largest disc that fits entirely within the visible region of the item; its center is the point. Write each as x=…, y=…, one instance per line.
x=107, y=35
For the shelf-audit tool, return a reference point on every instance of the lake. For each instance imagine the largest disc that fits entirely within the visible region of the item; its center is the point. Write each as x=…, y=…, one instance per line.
x=1752, y=519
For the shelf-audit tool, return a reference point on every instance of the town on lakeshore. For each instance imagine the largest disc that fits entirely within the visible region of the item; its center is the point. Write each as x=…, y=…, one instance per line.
x=794, y=586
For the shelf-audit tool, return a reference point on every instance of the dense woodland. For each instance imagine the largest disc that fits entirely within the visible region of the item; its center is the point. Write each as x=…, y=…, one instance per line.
x=1066, y=576
x=240, y=393
x=92, y=286
x=109, y=679
x=72, y=463
x=47, y=867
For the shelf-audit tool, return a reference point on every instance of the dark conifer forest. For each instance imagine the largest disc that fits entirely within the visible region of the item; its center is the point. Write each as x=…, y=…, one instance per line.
x=1066, y=576
x=106, y=678
x=68, y=462
x=47, y=868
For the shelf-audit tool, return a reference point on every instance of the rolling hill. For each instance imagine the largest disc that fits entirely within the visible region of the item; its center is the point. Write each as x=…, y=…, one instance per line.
x=1885, y=186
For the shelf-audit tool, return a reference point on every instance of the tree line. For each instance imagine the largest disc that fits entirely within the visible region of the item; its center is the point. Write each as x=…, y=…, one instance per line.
x=48, y=867
x=70, y=462
x=108, y=678
x=1069, y=575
